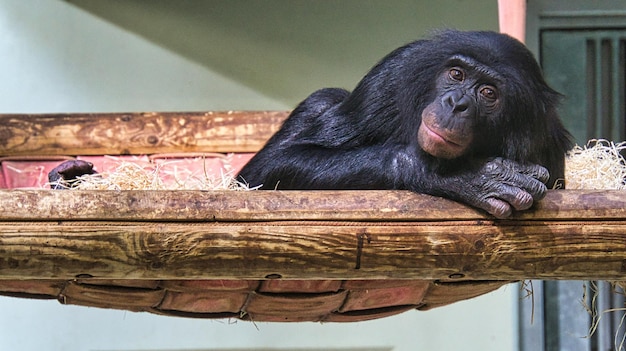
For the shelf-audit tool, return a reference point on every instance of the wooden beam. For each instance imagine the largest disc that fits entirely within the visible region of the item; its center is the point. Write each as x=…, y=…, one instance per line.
x=228, y=206
x=136, y=133
x=307, y=235
x=335, y=205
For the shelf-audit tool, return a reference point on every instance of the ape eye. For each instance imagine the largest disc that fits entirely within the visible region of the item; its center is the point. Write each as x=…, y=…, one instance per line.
x=456, y=74
x=489, y=93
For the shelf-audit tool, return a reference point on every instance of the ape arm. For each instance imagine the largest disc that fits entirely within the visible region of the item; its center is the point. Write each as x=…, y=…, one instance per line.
x=497, y=186
x=311, y=167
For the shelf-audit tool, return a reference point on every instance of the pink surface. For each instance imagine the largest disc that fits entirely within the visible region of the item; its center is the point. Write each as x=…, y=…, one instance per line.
x=27, y=174
x=174, y=169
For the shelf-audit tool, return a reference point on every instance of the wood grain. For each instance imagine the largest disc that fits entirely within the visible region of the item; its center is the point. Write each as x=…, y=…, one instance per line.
x=321, y=250
x=136, y=133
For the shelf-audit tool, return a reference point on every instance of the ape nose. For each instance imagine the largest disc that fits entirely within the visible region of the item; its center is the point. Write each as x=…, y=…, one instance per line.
x=462, y=104
x=458, y=101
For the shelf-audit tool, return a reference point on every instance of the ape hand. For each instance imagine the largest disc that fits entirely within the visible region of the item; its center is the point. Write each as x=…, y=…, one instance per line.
x=67, y=171
x=500, y=186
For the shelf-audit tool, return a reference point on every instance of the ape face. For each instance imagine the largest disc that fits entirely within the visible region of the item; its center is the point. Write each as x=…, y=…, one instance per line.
x=468, y=95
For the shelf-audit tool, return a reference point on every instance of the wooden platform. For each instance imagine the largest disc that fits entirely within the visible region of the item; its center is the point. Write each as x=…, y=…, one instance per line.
x=170, y=250
x=306, y=235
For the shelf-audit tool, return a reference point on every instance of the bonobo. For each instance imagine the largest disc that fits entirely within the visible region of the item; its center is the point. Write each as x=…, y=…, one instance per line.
x=463, y=115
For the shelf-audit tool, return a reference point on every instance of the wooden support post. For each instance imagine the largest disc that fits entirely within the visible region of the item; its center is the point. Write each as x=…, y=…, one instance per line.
x=512, y=18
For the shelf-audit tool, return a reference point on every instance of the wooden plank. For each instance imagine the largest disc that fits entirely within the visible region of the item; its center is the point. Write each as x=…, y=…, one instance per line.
x=136, y=133
x=233, y=206
x=320, y=250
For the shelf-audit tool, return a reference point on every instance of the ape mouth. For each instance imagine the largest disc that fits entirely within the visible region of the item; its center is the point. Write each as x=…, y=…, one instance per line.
x=436, y=135
x=438, y=144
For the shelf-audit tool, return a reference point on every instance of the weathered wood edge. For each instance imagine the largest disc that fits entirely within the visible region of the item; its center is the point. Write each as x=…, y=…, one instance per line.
x=136, y=133
x=234, y=206
x=228, y=206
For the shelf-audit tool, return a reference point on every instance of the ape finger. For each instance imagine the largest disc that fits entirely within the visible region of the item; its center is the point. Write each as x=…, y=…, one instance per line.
x=496, y=207
x=536, y=171
x=501, y=172
x=504, y=200
x=518, y=198
x=535, y=188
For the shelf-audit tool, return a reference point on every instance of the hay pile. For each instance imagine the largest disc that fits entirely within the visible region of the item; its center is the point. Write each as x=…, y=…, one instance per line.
x=598, y=165
x=136, y=176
